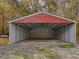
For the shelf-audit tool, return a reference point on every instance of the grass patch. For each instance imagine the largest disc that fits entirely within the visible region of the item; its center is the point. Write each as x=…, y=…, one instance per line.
x=40, y=53
x=44, y=55
x=3, y=41
x=66, y=46
x=19, y=56
x=48, y=53
x=43, y=49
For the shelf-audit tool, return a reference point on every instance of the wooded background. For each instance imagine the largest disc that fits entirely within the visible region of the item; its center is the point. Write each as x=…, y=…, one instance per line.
x=12, y=9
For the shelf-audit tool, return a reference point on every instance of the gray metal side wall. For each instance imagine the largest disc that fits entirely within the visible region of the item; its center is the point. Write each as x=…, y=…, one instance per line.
x=72, y=33
x=67, y=33
x=17, y=33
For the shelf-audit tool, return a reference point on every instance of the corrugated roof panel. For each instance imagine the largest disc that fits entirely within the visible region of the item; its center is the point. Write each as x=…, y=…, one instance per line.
x=42, y=18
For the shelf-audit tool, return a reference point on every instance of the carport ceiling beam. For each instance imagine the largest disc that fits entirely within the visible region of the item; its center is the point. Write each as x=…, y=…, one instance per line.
x=24, y=26
x=34, y=25
x=30, y=25
x=59, y=25
x=52, y=25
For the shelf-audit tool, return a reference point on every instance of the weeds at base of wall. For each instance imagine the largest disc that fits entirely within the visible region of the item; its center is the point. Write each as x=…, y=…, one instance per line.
x=66, y=45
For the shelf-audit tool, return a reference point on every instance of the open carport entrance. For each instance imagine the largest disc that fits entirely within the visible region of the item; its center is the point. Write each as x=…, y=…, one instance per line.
x=42, y=25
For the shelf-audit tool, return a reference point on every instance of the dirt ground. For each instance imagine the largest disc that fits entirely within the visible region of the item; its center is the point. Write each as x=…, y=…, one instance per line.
x=30, y=46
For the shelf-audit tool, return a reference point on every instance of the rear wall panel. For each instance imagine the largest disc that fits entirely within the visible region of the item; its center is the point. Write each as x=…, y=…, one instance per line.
x=42, y=33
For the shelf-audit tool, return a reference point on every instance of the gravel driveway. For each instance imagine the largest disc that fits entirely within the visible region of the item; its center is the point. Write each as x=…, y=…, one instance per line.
x=30, y=47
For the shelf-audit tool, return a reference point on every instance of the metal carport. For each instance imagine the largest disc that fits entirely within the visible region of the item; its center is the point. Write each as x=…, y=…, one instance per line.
x=42, y=25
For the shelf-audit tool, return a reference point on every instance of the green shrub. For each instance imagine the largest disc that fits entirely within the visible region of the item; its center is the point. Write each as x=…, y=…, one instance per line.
x=3, y=41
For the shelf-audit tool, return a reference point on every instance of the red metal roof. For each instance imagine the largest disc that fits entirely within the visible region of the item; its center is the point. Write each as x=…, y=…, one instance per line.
x=42, y=18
